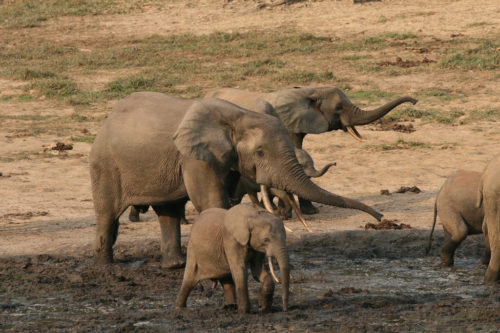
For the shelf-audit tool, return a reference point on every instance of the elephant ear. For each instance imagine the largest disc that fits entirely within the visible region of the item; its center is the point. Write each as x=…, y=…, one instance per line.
x=205, y=133
x=239, y=222
x=261, y=106
x=298, y=109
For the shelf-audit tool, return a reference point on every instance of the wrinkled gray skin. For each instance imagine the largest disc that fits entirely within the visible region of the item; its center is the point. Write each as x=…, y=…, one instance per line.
x=456, y=207
x=489, y=199
x=224, y=243
x=246, y=186
x=311, y=110
x=160, y=150
x=284, y=208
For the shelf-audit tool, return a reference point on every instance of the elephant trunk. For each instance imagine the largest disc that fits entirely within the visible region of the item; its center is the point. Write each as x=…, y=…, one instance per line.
x=358, y=116
x=296, y=181
x=315, y=173
x=281, y=256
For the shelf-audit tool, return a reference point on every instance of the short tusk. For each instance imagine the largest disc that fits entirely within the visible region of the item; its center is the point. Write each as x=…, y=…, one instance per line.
x=265, y=197
x=271, y=268
x=291, y=200
x=354, y=133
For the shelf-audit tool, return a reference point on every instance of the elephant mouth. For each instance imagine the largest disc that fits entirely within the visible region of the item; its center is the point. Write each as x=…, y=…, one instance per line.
x=354, y=133
x=291, y=200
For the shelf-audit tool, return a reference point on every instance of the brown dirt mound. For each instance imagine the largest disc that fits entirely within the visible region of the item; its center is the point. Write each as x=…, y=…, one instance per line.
x=406, y=63
x=387, y=124
x=386, y=225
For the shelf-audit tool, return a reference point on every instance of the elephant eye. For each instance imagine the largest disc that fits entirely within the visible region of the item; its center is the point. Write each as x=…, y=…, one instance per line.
x=260, y=152
x=267, y=240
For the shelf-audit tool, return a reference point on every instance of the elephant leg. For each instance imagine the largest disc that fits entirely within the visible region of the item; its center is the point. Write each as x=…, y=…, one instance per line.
x=306, y=207
x=229, y=291
x=239, y=273
x=133, y=216
x=260, y=274
x=204, y=188
x=169, y=217
x=485, y=260
x=492, y=221
x=455, y=231
x=448, y=251
x=107, y=231
x=188, y=283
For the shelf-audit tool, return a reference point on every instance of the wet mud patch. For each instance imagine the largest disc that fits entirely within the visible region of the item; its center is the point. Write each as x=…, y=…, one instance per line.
x=387, y=225
x=382, y=278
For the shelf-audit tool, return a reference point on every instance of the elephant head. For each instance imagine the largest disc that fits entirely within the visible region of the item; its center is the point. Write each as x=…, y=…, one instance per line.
x=263, y=232
x=318, y=110
x=256, y=145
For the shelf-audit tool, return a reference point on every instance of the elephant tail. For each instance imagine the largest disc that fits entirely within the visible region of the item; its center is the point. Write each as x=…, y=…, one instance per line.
x=428, y=248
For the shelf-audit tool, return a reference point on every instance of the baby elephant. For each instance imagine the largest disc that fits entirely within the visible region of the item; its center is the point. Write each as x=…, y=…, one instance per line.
x=222, y=244
x=456, y=206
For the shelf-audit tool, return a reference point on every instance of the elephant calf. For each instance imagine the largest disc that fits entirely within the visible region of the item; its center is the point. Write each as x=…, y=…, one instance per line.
x=222, y=244
x=456, y=206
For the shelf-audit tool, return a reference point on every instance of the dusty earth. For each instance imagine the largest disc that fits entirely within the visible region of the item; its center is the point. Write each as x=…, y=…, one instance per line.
x=346, y=278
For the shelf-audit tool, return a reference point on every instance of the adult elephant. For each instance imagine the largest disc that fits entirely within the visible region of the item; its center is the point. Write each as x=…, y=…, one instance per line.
x=311, y=110
x=160, y=150
x=489, y=201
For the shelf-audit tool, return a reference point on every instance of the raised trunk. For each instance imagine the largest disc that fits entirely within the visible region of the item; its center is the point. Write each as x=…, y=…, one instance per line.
x=312, y=172
x=361, y=117
x=295, y=181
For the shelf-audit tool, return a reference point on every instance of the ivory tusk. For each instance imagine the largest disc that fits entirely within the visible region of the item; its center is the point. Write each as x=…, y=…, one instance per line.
x=265, y=198
x=291, y=200
x=287, y=229
x=271, y=268
x=354, y=133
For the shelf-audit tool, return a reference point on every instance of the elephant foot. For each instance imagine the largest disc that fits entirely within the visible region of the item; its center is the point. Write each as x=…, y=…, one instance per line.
x=446, y=260
x=172, y=262
x=102, y=258
x=485, y=260
x=491, y=276
x=307, y=208
x=230, y=307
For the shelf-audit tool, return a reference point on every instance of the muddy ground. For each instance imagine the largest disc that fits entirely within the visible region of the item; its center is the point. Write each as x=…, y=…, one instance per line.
x=346, y=278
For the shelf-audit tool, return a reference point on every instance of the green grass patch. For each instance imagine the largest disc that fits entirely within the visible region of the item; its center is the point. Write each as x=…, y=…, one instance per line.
x=85, y=138
x=55, y=88
x=483, y=115
x=484, y=56
x=478, y=24
x=369, y=95
x=27, y=14
x=440, y=93
x=411, y=113
x=303, y=77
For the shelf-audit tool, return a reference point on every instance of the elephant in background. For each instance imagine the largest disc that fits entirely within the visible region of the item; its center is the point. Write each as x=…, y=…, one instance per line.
x=159, y=150
x=224, y=243
x=456, y=206
x=488, y=197
x=311, y=110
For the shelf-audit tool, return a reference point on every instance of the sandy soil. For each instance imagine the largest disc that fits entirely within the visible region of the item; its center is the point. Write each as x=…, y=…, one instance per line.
x=47, y=223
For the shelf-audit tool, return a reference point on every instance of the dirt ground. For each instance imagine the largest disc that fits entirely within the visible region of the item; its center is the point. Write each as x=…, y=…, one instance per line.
x=345, y=278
